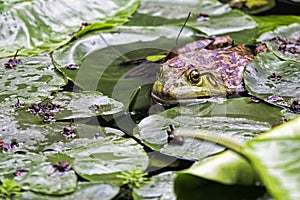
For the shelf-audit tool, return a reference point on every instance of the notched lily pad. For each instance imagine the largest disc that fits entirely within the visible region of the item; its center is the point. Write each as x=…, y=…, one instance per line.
x=274, y=80
x=234, y=23
x=284, y=41
x=44, y=179
x=102, y=161
x=37, y=27
x=237, y=118
x=30, y=82
x=85, y=104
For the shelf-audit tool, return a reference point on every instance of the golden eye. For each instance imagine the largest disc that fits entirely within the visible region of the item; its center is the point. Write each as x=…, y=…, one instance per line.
x=194, y=76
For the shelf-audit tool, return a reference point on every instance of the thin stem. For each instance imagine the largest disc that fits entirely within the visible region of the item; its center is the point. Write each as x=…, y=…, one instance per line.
x=219, y=139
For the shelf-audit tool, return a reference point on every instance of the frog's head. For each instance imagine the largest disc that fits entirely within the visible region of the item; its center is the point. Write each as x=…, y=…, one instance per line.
x=183, y=83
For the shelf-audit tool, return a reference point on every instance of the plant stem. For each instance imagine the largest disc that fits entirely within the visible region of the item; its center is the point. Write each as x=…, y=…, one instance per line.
x=213, y=137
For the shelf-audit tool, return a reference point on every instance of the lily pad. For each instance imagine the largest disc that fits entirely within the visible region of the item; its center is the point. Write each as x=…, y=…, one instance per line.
x=273, y=80
x=158, y=187
x=271, y=22
x=274, y=156
x=237, y=118
x=35, y=26
x=91, y=191
x=85, y=104
x=10, y=163
x=45, y=179
x=158, y=12
x=234, y=23
x=284, y=41
x=31, y=81
x=111, y=75
x=102, y=161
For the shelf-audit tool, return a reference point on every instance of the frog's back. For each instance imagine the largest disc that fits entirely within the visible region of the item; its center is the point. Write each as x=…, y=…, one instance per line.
x=223, y=65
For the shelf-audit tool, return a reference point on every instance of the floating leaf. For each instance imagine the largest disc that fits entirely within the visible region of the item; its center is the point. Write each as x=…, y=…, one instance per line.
x=111, y=75
x=158, y=187
x=284, y=41
x=45, y=179
x=157, y=12
x=31, y=81
x=85, y=104
x=275, y=156
x=102, y=161
x=237, y=118
x=234, y=23
x=273, y=80
x=271, y=22
x=37, y=26
x=85, y=190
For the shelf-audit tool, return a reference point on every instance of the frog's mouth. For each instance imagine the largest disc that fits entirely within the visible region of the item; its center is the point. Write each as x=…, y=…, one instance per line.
x=176, y=101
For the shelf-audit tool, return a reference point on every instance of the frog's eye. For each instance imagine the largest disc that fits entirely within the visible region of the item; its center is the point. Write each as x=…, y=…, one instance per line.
x=194, y=76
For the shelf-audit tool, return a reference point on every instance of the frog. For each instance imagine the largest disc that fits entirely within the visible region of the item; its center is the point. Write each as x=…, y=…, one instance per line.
x=211, y=67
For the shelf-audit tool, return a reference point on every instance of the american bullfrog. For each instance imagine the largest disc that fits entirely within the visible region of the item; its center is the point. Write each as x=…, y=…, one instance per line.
x=205, y=68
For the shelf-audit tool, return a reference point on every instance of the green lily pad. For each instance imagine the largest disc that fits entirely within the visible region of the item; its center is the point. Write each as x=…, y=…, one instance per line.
x=10, y=163
x=284, y=41
x=271, y=22
x=110, y=75
x=31, y=81
x=268, y=76
x=44, y=179
x=157, y=12
x=274, y=155
x=158, y=187
x=237, y=118
x=240, y=26
x=91, y=191
x=36, y=27
x=85, y=104
x=102, y=161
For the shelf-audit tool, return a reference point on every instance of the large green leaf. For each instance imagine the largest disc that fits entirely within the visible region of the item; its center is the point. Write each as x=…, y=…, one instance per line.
x=234, y=23
x=237, y=118
x=85, y=104
x=107, y=74
x=91, y=191
x=158, y=12
x=45, y=179
x=271, y=22
x=31, y=81
x=158, y=187
x=10, y=163
x=284, y=41
x=39, y=26
x=275, y=156
x=260, y=79
x=102, y=161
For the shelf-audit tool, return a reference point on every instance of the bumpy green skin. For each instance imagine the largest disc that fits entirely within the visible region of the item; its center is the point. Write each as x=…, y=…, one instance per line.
x=220, y=73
